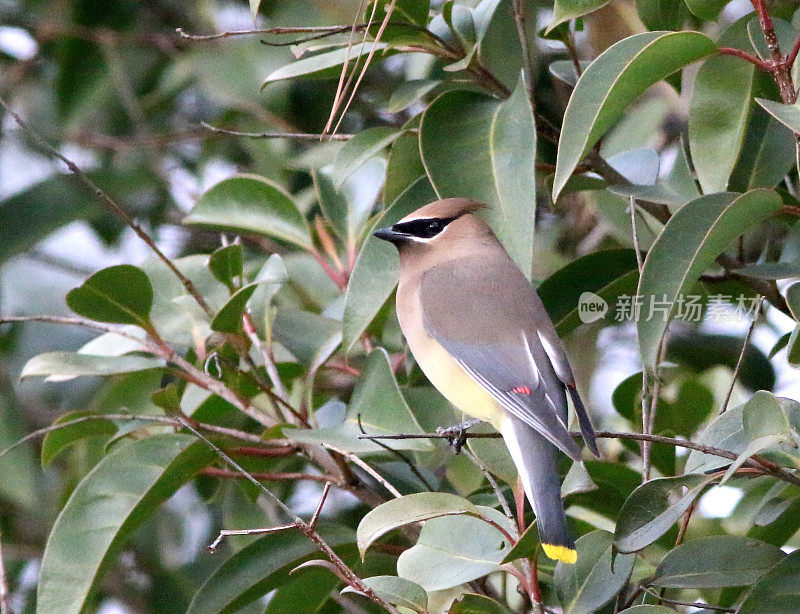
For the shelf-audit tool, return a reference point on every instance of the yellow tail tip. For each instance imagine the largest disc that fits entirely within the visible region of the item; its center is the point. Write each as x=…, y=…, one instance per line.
x=560, y=553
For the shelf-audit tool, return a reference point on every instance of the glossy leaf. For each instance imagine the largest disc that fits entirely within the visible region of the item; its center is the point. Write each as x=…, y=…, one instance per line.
x=61, y=366
x=715, y=562
x=614, y=80
x=262, y=566
x=564, y=10
x=661, y=14
x=55, y=442
x=119, y=294
x=776, y=591
x=365, y=145
x=377, y=266
x=398, y=591
x=226, y=264
x=719, y=111
x=118, y=494
x=688, y=245
x=412, y=508
x=248, y=203
x=379, y=406
x=653, y=508
x=787, y=114
x=490, y=157
x=452, y=550
x=472, y=603
x=323, y=65
x=706, y=9
x=229, y=318
x=593, y=580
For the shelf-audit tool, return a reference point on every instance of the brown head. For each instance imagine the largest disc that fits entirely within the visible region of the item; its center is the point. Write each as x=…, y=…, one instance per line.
x=438, y=231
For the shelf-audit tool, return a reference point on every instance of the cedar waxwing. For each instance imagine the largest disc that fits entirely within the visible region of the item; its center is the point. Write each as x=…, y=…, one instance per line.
x=480, y=333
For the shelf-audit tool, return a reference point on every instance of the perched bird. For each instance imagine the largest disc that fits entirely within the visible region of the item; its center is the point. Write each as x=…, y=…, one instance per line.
x=480, y=333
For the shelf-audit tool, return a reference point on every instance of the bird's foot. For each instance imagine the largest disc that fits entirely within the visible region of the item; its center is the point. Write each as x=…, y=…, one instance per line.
x=456, y=435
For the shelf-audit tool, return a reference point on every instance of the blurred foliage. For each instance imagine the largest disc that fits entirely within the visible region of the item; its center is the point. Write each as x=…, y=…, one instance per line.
x=277, y=338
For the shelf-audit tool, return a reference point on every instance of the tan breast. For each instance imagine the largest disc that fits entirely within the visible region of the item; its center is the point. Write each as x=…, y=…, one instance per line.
x=440, y=368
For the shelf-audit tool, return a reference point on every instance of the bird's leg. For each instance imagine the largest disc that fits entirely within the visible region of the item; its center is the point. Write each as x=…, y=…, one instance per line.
x=457, y=434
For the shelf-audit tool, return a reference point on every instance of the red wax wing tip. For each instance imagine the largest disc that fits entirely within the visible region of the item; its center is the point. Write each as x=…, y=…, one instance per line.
x=521, y=390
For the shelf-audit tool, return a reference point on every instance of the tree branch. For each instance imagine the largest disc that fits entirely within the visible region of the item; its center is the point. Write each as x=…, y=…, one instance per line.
x=299, y=136
x=110, y=204
x=757, y=61
x=270, y=476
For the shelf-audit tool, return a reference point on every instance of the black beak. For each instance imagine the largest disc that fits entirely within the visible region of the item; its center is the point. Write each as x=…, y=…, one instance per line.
x=387, y=234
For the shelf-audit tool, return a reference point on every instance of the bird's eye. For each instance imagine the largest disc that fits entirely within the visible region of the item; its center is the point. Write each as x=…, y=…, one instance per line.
x=435, y=227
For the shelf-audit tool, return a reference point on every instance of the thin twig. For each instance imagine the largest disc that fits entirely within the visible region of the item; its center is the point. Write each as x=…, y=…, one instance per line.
x=212, y=547
x=699, y=605
x=111, y=204
x=366, y=467
x=520, y=18
x=5, y=606
x=298, y=136
x=501, y=498
x=403, y=458
x=313, y=522
x=569, y=43
x=758, y=62
x=635, y=235
x=165, y=420
x=741, y=356
x=760, y=464
x=268, y=476
x=290, y=30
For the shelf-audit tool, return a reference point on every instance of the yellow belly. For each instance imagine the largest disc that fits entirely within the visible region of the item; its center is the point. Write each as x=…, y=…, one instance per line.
x=453, y=382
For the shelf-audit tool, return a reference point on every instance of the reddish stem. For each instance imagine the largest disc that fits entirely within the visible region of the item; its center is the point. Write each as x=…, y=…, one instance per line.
x=264, y=452
x=265, y=475
x=793, y=54
x=762, y=64
x=536, y=589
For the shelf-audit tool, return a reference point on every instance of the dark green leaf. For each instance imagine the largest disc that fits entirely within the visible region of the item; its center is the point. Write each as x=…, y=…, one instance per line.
x=262, y=566
x=593, y=580
x=472, y=603
x=122, y=491
x=363, y=146
x=716, y=562
x=229, y=318
x=565, y=10
x=59, y=440
x=226, y=264
x=777, y=591
x=787, y=114
x=398, y=591
x=499, y=168
x=653, y=508
x=688, y=245
x=119, y=294
x=614, y=80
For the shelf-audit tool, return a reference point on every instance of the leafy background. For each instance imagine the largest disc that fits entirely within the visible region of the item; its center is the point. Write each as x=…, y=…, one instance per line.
x=273, y=345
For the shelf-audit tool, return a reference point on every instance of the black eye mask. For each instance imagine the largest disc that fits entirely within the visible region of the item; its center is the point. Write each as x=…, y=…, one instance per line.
x=426, y=228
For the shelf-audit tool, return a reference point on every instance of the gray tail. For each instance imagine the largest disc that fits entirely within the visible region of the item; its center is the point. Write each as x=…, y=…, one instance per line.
x=536, y=460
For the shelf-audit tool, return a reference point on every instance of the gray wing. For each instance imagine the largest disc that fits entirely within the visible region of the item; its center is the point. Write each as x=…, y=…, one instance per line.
x=484, y=313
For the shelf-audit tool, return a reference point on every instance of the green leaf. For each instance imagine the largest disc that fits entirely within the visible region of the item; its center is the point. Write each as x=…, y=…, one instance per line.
x=648, y=609
x=564, y=10
x=793, y=300
x=397, y=591
x=607, y=273
x=593, y=580
x=363, y=146
x=118, y=294
x=412, y=508
x=324, y=65
x=346, y=211
x=409, y=92
x=61, y=366
x=771, y=270
x=787, y=114
x=474, y=146
x=304, y=333
x=262, y=566
x=777, y=591
x=472, y=603
x=527, y=545
x=377, y=266
x=20, y=461
x=116, y=496
x=55, y=442
x=719, y=111
x=614, y=80
x=226, y=264
x=661, y=14
x=677, y=188
x=688, y=245
x=229, y=318
x=248, y=203
x=707, y=10
x=653, y=508
x=452, y=550
x=382, y=409
x=715, y=562
x=404, y=165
